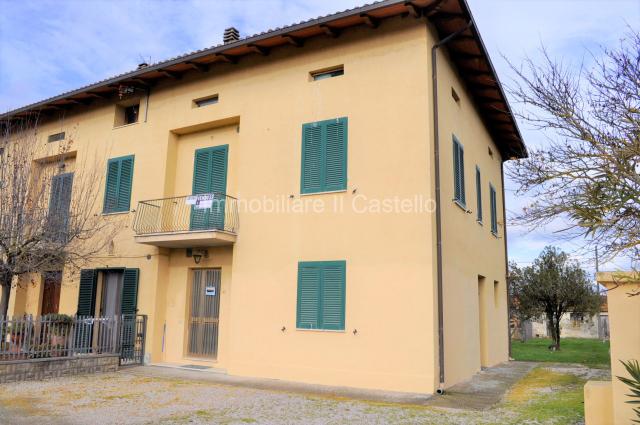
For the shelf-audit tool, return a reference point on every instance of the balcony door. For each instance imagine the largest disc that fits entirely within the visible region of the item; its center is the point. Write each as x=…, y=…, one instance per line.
x=209, y=177
x=204, y=313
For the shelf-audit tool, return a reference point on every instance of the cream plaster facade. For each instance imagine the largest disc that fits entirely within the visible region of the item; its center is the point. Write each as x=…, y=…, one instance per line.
x=390, y=340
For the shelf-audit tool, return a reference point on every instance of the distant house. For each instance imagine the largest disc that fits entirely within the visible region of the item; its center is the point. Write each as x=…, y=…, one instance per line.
x=576, y=325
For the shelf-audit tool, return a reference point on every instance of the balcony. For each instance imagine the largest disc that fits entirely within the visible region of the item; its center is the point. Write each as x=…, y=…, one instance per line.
x=193, y=221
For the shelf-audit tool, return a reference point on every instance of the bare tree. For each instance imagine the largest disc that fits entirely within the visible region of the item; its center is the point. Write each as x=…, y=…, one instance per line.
x=588, y=174
x=49, y=217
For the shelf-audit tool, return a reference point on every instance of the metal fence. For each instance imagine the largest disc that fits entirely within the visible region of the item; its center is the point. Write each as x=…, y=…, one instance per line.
x=209, y=211
x=29, y=337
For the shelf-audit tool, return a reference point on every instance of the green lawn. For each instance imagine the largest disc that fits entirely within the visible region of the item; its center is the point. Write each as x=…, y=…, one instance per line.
x=591, y=352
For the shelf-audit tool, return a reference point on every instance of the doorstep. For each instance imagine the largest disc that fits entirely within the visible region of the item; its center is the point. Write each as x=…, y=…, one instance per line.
x=191, y=367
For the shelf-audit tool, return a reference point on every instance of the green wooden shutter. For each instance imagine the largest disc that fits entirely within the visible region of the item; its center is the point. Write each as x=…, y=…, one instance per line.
x=494, y=211
x=117, y=194
x=478, y=195
x=321, y=295
x=111, y=186
x=308, y=308
x=210, y=176
x=324, y=156
x=59, y=203
x=333, y=295
x=129, y=303
x=311, y=158
x=219, y=160
x=458, y=172
x=87, y=294
x=124, y=184
x=335, y=145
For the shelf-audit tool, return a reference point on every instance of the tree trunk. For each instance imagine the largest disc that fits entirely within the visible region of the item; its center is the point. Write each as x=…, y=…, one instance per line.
x=553, y=330
x=4, y=298
x=557, y=333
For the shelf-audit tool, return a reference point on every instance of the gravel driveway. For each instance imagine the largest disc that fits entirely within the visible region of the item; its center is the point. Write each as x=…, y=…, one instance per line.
x=134, y=396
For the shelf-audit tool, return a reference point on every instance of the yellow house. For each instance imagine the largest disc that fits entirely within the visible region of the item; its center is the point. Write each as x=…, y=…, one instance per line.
x=321, y=202
x=605, y=402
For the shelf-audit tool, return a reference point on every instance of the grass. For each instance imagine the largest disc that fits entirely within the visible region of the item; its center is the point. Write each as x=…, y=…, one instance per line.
x=590, y=352
x=545, y=397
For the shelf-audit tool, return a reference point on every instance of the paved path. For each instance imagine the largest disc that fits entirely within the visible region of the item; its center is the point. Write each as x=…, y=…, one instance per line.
x=485, y=389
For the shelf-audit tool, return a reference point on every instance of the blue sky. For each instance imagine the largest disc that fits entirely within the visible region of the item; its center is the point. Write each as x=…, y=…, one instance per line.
x=49, y=47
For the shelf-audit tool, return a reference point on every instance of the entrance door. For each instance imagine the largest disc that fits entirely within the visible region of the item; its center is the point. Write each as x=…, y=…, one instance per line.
x=210, y=177
x=51, y=293
x=111, y=292
x=109, y=308
x=204, y=313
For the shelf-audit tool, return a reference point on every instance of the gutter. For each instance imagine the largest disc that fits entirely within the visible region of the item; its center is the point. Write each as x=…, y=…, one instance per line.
x=436, y=154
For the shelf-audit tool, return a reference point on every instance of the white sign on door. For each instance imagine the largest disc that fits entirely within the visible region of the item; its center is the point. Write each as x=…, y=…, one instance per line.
x=210, y=291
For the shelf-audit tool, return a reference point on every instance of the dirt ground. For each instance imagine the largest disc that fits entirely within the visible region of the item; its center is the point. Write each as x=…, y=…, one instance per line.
x=536, y=394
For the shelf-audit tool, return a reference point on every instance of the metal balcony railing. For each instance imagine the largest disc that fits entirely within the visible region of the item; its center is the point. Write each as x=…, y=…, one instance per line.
x=192, y=213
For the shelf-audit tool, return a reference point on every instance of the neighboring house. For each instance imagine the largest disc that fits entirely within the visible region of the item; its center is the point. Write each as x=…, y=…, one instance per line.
x=338, y=112
x=576, y=325
x=608, y=402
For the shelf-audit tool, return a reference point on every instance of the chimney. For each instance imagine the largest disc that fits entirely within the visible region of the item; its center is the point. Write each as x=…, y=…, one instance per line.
x=231, y=35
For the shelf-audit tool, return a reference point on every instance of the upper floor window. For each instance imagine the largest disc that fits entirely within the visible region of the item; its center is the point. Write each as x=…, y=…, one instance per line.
x=205, y=101
x=56, y=137
x=117, y=193
x=59, y=204
x=478, y=196
x=127, y=114
x=494, y=209
x=321, y=295
x=458, y=173
x=324, y=156
x=327, y=73
x=131, y=114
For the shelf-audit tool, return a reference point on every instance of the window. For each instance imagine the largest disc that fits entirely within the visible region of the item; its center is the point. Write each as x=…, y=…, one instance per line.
x=56, y=137
x=321, y=295
x=205, y=101
x=478, y=196
x=576, y=318
x=117, y=194
x=127, y=114
x=324, y=156
x=455, y=95
x=59, y=203
x=458, y=173
x=131, y=114
x=328, y=73
x=494, y=211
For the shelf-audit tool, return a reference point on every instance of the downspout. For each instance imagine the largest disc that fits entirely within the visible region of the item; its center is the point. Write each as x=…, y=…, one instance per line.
x=436, y=154
x=506, y=259
x=146, y=106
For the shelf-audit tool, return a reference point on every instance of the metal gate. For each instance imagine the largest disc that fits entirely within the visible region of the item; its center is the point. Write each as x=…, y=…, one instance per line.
x=204, y=313
x=133, y=331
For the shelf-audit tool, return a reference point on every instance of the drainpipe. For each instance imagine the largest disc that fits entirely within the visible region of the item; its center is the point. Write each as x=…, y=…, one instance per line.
x=436, y=154
x=506, y=259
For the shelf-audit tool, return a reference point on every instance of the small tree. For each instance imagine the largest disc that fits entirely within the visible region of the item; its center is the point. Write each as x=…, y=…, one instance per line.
x=588, y=173
x=44, y=225
x=520, y=310
x=553, y=286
